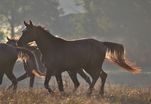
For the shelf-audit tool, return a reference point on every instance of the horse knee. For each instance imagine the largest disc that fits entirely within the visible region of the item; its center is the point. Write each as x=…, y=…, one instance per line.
x=0, y=81
x=46, y=85
x=103, y=75
x=77, y=84
x=1, y=78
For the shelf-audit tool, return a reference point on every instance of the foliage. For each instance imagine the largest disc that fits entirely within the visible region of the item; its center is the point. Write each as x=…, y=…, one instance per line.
x=78, y=24
x=127, y=22
x=16, y=11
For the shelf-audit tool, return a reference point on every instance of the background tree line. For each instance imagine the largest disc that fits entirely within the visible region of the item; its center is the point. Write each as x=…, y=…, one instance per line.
x=124, y=21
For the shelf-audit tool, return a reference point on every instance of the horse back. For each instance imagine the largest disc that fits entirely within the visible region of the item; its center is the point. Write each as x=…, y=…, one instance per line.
x=77, y=53
x=7, y=54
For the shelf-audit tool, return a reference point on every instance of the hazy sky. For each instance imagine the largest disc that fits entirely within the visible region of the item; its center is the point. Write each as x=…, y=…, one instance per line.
x=70, y=7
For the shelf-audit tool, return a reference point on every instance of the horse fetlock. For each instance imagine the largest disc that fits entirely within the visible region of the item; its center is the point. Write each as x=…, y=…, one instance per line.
x=77, y=85
x=15, y=82
x=89, y=92
x=50, y=91
x=88, y=80
x=101, y=92
x=62, y=93
x=46, y=85
x=15, y=87
x=61, y=89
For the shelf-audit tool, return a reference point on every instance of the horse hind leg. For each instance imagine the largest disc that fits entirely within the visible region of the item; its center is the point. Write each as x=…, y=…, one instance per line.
x=13, y=79
x=32, y=79
x=103, y=76
x=60, y=83
x=84, y=76
x=73, y=76
x=95, y=76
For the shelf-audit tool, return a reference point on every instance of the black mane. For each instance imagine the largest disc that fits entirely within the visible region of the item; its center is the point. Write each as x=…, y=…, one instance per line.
x=48, y=34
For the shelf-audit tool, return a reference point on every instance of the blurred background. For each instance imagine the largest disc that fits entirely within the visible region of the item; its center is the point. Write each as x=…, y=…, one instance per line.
x=123, y=21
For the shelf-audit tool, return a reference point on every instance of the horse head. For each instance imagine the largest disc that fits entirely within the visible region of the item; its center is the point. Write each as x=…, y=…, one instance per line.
x=28, y=34
x=11, y=41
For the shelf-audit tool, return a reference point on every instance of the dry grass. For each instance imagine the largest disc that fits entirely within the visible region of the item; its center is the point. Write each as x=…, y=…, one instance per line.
x=115, y=94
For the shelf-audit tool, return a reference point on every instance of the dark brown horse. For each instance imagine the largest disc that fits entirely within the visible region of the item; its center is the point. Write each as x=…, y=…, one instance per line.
x=8, y=57
x=60, y=55
x=30, y=66
x=38, y=67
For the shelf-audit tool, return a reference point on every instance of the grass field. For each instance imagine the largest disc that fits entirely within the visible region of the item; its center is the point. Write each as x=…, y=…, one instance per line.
x=114, y=94
x=119, y=89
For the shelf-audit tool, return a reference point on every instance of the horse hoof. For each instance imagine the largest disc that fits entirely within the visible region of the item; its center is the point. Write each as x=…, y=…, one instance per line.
x=10, y=87
x=89, y=93
x=74, y=90
x=51, y=92
x=63, y=93
x=101, y=94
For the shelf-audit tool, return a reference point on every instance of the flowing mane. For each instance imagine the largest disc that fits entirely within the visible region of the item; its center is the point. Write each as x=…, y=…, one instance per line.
x=48, y=34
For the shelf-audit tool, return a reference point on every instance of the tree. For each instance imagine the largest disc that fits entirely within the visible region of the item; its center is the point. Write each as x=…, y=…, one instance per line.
x=12, y=10
x=124, y=21
x=16, y=11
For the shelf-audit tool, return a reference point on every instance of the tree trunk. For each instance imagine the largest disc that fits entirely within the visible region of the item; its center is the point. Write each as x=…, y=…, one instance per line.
x=12, y=29
x=11, y=21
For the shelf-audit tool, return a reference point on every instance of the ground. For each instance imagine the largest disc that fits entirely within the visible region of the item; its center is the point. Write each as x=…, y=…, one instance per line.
x=114, y=94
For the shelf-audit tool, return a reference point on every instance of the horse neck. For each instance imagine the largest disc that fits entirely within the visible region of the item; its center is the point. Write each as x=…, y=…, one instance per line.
x=12, y=43
x=46, y=42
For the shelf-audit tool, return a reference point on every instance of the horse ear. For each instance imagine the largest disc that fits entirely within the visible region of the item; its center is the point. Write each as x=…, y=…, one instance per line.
x=8, y=38
x=30, y=23
x=26, y=24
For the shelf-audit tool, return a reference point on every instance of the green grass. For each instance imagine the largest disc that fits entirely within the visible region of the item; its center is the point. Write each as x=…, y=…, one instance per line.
x=114, y=94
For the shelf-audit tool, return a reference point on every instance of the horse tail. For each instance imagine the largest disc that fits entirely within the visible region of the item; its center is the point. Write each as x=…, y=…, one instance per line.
x=36, y=71
x=115, y=53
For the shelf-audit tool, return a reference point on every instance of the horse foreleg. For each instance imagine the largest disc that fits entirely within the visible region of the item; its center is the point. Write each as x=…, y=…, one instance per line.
x=13, y=79
x=22, y=77
x=60, y=83
x=95, y=76
x=46, y=83
x=32, y=78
